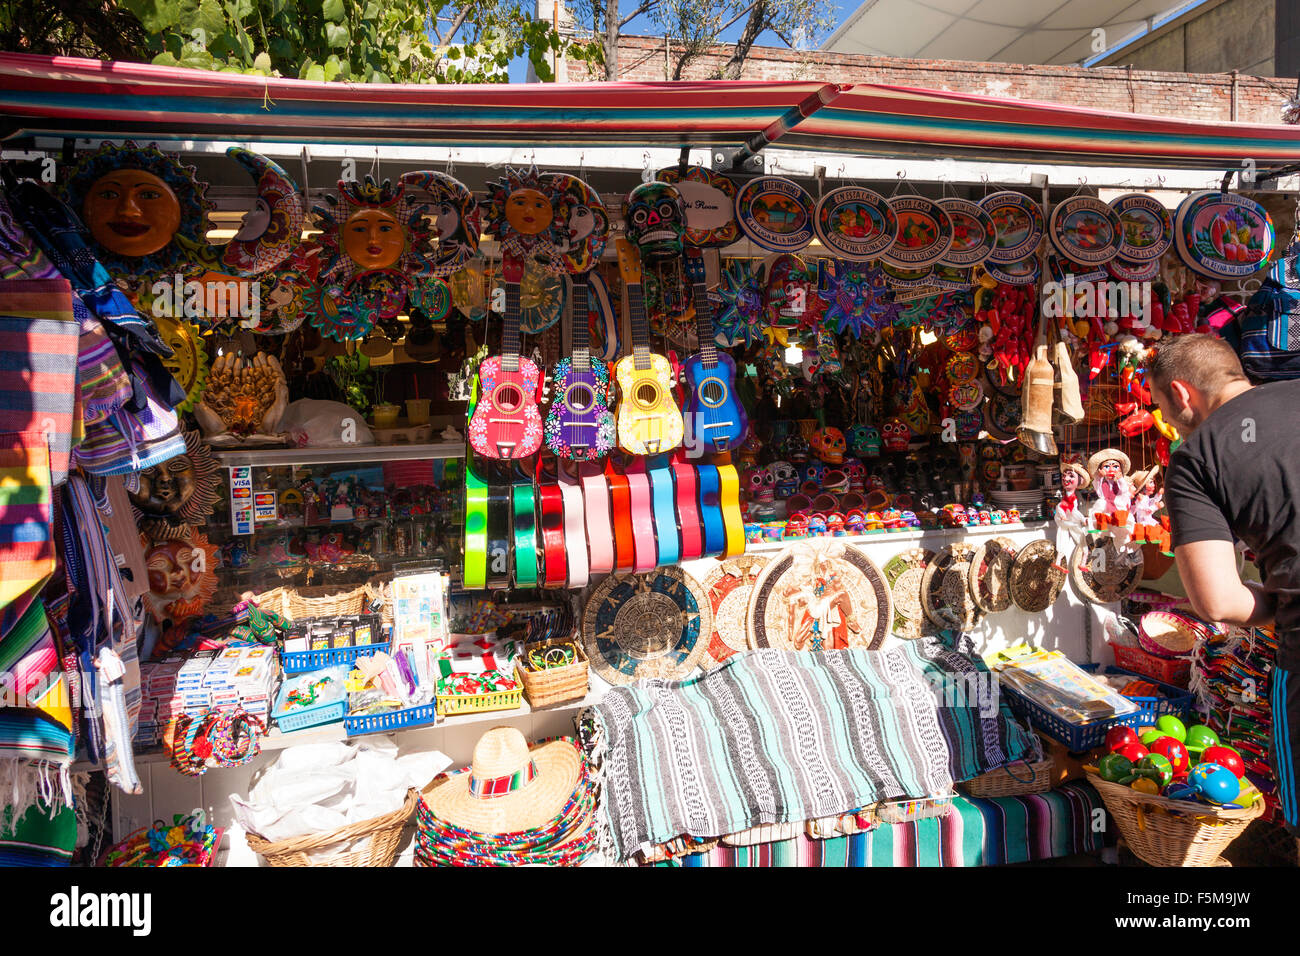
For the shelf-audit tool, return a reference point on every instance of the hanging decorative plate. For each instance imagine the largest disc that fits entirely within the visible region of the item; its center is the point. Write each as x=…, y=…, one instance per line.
x=1146, y=229
x=1125, y=271
x=1102, y=573
x=945, y=596
x=1062, y=269
x=541, y=299
x=1002, y=415
x=580, y=229
x=338, y=319
x=905, y=573
x=990, y=574
x=924, y=233
x=775, y=213
x=973, y=235
x=1223, y=235
x=965, y=396
x=433, y=296
x=962, y=340
x=189, y=359
x=904, y=278
x=962, y=367
x=1024, y=272
x=453, y=216
x=728, y=587
x=1085, y=230
x=820, y=595
x=710, y=201
x=1018, y=222
x=1036, y=577
x=951, y=278
x=855, y=223
x=285, y=306
x=646, y=625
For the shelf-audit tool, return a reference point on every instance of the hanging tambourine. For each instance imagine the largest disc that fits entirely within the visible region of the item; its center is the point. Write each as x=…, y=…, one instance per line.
x=855, y=223
x=1085, y=230
x=1146, y=229
x=973, y=234
x=710, y=202
x=1223, y=235
x=775, y=213
x=924, y=233
x=188, y=362
x=1018, y=222
x=453, y=217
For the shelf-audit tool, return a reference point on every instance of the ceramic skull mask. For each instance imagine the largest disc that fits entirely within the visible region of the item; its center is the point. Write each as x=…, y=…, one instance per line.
x=656, y=221
x=760, y=484
x=795, y=449
x=813, y=473
x=896, y=435
x=857, y=474
x=828, y=444
x=864, y=441
x=784, y=478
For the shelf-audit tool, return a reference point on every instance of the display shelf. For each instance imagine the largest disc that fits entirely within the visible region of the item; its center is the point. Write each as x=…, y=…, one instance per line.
x=345, y=454
x=913, y=534
x=332, y=733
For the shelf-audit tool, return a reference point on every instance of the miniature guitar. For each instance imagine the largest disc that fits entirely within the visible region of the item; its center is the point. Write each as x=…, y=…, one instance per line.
x=712, y=526
x=550, y=509
x=523, y=529
x=663, y=500
x=718, y=420
x=649, y=420
x=729, y=501
x=506, y=423
x=686, y=481
x=600, y=530
x=580, y=425
x=499, y=506
x=474, y=575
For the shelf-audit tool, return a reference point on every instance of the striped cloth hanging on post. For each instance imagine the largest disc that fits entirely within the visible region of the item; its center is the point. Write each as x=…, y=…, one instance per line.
x=26, y=537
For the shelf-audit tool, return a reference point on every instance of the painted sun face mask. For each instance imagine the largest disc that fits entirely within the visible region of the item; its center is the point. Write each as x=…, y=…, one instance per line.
x=520, y=213
x=147, y=214
x=580, y=228
x=656, y=221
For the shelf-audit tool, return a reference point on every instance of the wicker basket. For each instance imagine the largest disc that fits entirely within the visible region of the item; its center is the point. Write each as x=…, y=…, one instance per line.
x=297, y=603
x=1185, y=835
x=385, y=833
x=554, y=685
x=1014, y=780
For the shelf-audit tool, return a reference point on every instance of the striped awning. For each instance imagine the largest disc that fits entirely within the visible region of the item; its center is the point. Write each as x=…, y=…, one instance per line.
x=91, y=98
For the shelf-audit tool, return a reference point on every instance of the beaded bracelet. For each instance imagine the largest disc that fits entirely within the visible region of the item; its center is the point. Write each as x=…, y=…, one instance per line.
x=229, y=727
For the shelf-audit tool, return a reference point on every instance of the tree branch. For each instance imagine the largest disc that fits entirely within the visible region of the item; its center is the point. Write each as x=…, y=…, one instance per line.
x=457, y=22
x=645, y=7
x=723, y=29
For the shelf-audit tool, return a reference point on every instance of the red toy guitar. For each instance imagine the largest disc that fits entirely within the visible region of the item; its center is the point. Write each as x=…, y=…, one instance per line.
x=506, y=422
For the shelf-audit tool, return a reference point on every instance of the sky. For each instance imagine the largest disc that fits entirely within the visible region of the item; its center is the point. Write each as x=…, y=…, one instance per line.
x=646, y=25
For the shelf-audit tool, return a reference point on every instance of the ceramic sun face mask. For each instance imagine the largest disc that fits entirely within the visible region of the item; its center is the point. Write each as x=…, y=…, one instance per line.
x=147, y=214
x=374, y=239
x=520, y=212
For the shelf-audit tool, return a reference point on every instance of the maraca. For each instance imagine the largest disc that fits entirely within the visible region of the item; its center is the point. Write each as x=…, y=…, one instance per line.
x=1173, y=750
x=1198, y=738
x=1115, y=768
x=1214, y=783
x=1171, y=726
x=1157, y=767
x=1118, y=737
x=1133, y=750
x=1225, y=757
x=1146, y=785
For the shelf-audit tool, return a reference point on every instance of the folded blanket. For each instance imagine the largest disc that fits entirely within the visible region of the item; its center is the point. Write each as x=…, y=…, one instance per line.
x=775, y=737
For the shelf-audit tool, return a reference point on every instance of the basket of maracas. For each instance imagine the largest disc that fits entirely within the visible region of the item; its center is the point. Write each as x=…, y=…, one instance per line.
x=1178, y=796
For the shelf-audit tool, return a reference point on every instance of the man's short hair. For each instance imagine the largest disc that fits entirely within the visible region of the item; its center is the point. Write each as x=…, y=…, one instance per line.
x=1205, y=362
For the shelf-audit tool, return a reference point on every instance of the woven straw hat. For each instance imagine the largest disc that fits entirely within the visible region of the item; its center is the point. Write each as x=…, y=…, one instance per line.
x=1105, y=455
x=509, y=786
x=1140, y=478
x=1085, y=479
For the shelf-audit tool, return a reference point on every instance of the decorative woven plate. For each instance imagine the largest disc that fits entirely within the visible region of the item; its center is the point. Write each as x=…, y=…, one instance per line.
x=820, y=594
x=1168, y=634
x=728, y=587
x=905, y=573
x=1109, y=575
x=945, y=595
x=924, y=233
x=646, y=625
x=973, y=234
x=1018, y=221
x=856, y=223
x=1036, y=577
x=990, y=574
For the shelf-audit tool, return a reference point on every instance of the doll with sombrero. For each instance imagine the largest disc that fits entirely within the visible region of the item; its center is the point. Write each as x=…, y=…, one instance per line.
x=1111, y=511
x=1070, y=518
x=1147, y=527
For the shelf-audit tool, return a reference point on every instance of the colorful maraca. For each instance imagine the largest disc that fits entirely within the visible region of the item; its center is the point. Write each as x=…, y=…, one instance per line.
x=1214, y=783
x=1225, y=757
x=1198, y=738
x=1173, y=750
x=1171, y=726
x=1156, y=767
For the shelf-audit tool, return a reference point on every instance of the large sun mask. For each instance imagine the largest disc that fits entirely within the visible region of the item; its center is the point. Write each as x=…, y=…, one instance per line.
x=520, y=212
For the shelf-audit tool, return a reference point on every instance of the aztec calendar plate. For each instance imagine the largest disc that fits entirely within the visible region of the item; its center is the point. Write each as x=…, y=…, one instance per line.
x=990, y=574
x=646, y=625
x=1101, y=572
x=728, y=587
x=820, y=595
x=944, y=594
x=1036, y=577
x=905, y=573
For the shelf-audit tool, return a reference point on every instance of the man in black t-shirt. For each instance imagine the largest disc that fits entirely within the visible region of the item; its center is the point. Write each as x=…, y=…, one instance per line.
x=1237, y=475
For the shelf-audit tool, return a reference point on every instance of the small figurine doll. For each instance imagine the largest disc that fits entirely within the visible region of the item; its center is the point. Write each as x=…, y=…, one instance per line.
x=1109, y=470
x=342, y=501
x=311, y=501
x=1070, y=518
x=1146, y=526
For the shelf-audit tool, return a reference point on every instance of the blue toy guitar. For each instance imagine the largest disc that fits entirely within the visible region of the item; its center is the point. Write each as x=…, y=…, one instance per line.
x=717, y=418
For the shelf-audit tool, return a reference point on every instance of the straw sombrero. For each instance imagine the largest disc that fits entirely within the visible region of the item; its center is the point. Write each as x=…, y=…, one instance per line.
x=509, y=787
x=1140, y=478
x=1105, y=455
x=1085, y=479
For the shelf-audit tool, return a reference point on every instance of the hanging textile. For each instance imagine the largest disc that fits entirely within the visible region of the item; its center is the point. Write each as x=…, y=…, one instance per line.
x=26, y=535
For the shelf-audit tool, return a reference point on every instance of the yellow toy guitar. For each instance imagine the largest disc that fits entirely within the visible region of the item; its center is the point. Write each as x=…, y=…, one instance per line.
x=649, y=421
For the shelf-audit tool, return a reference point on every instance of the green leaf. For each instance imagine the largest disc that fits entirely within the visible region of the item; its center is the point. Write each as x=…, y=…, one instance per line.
x=262, y=62
x=337, y=36
x=315, y=73
x=166, y=59
x=332, y=67
x=196, y=59
x=332, y=10
x=211, y=19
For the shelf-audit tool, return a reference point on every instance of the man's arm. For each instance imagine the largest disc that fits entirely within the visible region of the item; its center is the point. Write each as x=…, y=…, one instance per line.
x=1208, y=570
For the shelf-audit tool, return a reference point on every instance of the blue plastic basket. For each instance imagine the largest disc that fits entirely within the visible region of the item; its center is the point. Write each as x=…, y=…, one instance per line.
x=296, y=662
x=1082, y=737
x=301, y=718
x=391, y=721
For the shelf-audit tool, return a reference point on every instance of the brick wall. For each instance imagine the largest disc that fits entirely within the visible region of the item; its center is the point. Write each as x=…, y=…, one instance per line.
x=1189, y=96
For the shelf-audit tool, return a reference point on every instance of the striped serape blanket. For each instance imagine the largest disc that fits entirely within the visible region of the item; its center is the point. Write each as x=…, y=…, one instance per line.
x=779, y=737
x=978, y=832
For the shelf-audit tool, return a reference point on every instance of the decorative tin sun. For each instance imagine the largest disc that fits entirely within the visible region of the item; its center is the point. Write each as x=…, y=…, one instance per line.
x=741, y=318
x=857, y=299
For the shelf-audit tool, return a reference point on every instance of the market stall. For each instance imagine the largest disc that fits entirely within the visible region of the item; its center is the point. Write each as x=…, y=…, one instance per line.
x=805, y=485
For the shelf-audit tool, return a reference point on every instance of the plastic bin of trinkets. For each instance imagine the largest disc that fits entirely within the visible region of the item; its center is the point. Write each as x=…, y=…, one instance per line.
x=325, y=642
x=312, y=699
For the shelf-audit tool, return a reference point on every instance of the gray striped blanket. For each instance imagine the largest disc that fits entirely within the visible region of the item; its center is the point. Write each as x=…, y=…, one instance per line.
x=775, y=736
